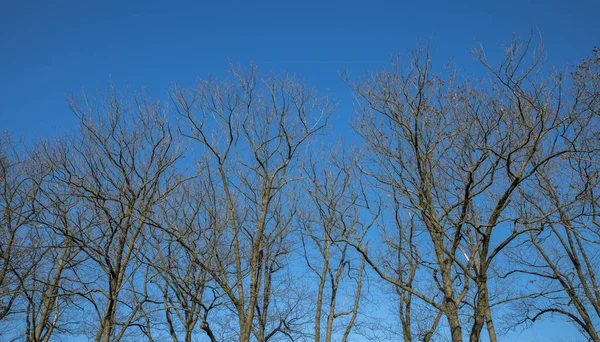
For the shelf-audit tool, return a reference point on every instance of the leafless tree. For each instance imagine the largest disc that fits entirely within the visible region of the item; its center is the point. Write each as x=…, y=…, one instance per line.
x=47, y=292
x=116, y=169
x=457, y=155
x=253, y=129
x=562, y=264
x=566, y=245
x=331, y=216
x=402, y=236
x=213, y=229
x=18, y=191
x=187, y=221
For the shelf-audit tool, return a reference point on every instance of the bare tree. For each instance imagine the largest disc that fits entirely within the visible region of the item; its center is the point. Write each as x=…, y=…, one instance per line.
x=457, y=155
x=47, y=292
x=402, y=237
x=32, y=260
x=412, y=128
x=331, y=216
x=253, y=128
x=188, y=234
x=18, y=254
x=471, y=183
x=116, y=169
x=565, y=244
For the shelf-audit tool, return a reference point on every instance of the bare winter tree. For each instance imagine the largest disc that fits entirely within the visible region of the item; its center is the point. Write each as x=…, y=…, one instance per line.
x=48, y=292
x=115, y=171
x=188, y=221
x=253, y=128
x=459, y=155
x=565, y=273
x=331, y=216
x=411, y=121
x=34, y=257
x=462, y=185
x=566, y=245
x=403, y=236
x=18, y=254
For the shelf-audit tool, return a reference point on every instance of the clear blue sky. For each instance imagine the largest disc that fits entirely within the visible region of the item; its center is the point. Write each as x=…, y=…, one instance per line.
x=49, y=49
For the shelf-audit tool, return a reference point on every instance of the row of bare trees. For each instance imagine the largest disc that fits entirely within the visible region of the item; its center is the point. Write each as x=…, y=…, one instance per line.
x=464, y=208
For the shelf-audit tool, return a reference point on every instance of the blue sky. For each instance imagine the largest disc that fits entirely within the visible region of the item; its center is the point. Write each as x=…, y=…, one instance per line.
x=50, y=49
